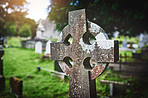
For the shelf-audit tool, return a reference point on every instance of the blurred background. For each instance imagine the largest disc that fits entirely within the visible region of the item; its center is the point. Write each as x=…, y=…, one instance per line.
x=27, y=27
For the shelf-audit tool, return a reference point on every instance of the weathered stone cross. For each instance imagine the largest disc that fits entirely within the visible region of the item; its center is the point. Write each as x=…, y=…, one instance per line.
x=82, y=75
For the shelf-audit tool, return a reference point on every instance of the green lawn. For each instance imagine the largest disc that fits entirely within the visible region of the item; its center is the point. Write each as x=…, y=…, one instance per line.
x=22, y=63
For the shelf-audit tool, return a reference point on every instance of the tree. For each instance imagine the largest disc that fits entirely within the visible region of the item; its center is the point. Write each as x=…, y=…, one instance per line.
x=25, y=31
x=129, y=17
x=12, y=19
x=10, y=28
x=7, y=10
x=32, y=24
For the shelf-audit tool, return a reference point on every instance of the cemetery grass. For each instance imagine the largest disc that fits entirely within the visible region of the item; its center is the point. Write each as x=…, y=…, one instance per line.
x=22, y=63
x=14, y=41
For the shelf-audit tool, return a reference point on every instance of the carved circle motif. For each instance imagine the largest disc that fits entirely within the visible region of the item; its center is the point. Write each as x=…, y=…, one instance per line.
x=97, y=68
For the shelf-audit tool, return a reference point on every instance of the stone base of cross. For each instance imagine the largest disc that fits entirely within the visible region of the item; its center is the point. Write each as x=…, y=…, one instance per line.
x=89, y=58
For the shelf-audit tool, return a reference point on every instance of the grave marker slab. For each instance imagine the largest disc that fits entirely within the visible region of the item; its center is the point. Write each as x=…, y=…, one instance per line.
x=124, y=44
x=38, y=47
x=47, y=51
x=16, y=86
x=81, y=74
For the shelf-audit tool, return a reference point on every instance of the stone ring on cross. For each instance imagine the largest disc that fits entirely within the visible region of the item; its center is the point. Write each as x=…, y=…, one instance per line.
x=90, y=51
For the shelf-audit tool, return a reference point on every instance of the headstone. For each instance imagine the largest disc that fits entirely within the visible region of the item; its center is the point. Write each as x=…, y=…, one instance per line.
x=141, y=37
x=111, y=91
x=124, y=44
x=80, y=51
x=5, y=39
x=116, y=34
x=30, y=44
x=47, y=51
x=16, y=86
x=38, y=47
x=143, y=40
x=2, y=78
x=135, y=46
x=23, y=44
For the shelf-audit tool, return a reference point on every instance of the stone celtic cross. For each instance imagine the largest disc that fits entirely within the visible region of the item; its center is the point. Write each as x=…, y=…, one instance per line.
x=86, y=56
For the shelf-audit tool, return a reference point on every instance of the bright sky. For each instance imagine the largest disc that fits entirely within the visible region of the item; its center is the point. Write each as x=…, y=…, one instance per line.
x=37, y=9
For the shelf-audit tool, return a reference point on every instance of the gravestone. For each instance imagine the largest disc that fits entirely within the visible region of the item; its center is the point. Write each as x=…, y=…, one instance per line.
x=2, y=78
x=143, y=39
x=116, y=34
x=111, y=89
x=135, y=46
x=81, y=74
x=16, y=86
x=38, y=47
x=47, y=51
x=29, y=44
x=141, y=42
x=124, y=44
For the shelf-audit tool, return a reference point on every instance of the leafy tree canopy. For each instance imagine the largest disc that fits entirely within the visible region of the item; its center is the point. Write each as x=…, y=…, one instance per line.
x=129, y=17
x=12, y=18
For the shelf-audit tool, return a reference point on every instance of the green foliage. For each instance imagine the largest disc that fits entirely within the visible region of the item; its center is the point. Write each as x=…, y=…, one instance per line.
x=13, y=22
x=16, y=7
x=10, y=28
x=25, y=31
x=116, y=15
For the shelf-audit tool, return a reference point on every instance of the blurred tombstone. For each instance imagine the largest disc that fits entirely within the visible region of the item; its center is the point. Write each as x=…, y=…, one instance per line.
x=116, y=34
x=135, y=46
x=23, y=44
x=5, y=39
x=2, y=78
x=16, y=86
x=124, y=44
x=111, y=91
x=29, y=44
x=38, y=47
x=47, y=51
x=143, y=40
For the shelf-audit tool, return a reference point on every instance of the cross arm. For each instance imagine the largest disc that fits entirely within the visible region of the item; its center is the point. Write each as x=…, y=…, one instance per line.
x=59, y=50
x=106, y=51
